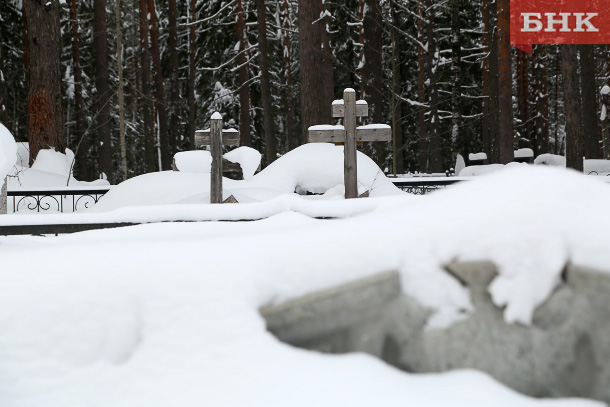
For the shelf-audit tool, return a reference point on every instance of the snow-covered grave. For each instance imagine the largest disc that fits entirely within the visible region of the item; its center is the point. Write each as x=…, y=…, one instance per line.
x=349, y=109
x=215, y=137
x=168, y=314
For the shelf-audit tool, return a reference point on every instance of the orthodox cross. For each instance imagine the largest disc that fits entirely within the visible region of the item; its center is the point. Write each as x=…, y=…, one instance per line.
x=215, y=137
x=349, y=109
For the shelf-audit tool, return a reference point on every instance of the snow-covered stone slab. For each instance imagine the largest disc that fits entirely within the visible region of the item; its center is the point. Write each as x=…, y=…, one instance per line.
x=329, y=320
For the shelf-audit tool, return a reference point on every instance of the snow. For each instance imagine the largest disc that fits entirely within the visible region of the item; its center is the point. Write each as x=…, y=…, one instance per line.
x=604, y=113
x=524, y=153
x=373, y=127
x=166, y=314
x=550, y=159
x=315, y=168
x=605, y=90
x=50, y=169
x=193, y=161
x=476, y=170
x=326, y=127
x=248, y=159
x=597, y=167
x=477, y=156
x=216, y=116
x=8, y=153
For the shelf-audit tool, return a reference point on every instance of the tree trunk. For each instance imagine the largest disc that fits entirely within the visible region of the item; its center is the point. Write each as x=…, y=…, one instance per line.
x=573, y=107
x=423, y=141
x=542, y=101
x=43, y=76
x=398, y=157
x=174, y=81
x=436, y=164
x=485, y=121
x=316, y=65
x=494, y=102
x=505, y=82
x=100, y=43
x=590, y=120
x=243, y=77
x=456, y=75
x=119, y=58
x=263, y=58
x=291, y=140
x=372, y=71
x=192, y=73
x=80, y=151
x=526, y=139
x=166, y=155
x=149, y=137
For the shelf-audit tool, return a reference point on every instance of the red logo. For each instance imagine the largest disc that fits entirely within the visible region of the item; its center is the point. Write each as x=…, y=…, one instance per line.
x=559, y=22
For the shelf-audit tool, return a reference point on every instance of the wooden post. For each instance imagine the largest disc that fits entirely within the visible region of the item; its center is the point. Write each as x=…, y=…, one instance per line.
x=216, y=150
x=350, y=135
x=350, y=174
x=215, y=137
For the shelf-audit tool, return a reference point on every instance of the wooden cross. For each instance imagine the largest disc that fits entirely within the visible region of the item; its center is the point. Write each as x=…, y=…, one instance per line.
x=348, y=133
x=215, y=137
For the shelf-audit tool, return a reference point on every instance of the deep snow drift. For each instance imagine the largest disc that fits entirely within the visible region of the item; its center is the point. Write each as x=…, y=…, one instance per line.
x=166, y=314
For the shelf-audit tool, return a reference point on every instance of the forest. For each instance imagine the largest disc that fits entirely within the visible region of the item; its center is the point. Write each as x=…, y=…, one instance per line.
x=126, y=84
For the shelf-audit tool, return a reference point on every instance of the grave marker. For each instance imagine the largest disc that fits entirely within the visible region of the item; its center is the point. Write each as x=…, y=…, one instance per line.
x=349, y=109
x=215, y=137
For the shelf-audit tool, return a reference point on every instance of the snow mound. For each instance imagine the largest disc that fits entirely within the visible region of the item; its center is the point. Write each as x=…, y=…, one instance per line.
x=476, y=170
x=54, y=162
x=193, y=161
x=8, y=153
x=248, y=159
x=550, y=159
x=318, y=167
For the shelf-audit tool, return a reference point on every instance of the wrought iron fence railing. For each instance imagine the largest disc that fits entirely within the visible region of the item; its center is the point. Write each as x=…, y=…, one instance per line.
x=54, y=200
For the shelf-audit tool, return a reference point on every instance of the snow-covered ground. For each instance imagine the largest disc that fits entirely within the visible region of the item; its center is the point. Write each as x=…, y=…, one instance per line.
x=166, y=314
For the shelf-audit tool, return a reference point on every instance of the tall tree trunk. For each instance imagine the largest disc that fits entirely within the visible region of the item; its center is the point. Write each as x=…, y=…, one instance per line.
x=119, y=58
x=100, y=43
x=573, y=107
x=398, y=159
x=263, y=58
x=243, y=77
x=456, y=75
x=494, y=85
x=542, y=101
x=423, y=141
x=526, y=140
x=558, y=65
x=192, y=73
x=372, y=71
x=436, y=164
x=149, y=137
x=80, y=150
x=174, y=81
x=160, y=107
x=291, y=140
x=485, y=121
x=43, y=76
x=505, y=81
x=316, y=65
x=590, y=120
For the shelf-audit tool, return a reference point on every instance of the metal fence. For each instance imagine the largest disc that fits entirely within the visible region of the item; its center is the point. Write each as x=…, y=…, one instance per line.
x=54, y=200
